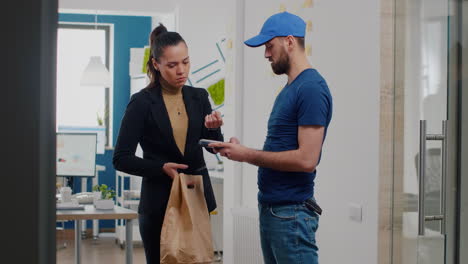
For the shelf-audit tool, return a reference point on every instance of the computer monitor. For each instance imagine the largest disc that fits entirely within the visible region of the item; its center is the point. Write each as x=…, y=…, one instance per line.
x=99, y=130
x=76, y=154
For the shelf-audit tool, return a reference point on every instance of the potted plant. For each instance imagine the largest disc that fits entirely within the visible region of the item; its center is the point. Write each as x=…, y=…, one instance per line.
x=103, y=197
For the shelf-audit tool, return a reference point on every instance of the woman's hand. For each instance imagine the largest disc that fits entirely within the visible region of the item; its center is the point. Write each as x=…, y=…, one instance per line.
x=171, y=168
x=213, y=120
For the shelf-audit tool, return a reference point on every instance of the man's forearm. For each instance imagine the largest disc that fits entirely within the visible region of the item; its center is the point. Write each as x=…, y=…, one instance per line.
x=291, y=160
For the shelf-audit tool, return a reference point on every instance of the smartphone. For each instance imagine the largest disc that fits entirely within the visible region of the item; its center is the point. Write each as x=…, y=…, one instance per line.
x=206, y=142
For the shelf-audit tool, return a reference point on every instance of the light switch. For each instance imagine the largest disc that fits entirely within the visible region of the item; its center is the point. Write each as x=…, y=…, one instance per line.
x=355, y=212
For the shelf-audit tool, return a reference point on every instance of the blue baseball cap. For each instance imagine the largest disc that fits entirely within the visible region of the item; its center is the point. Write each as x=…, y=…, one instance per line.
x=278, y=25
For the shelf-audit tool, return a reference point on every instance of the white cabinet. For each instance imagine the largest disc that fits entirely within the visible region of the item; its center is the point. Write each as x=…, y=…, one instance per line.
x=217, y=216
x=127, y=198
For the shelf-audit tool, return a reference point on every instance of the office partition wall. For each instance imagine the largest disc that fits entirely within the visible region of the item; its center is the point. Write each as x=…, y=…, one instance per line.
x=28, y=132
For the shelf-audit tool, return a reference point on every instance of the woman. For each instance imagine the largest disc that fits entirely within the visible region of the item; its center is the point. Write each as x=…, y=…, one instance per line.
x=167, y=119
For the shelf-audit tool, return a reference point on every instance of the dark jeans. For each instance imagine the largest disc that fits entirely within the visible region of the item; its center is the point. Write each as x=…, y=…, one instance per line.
x=150, y=231
x=287, y=234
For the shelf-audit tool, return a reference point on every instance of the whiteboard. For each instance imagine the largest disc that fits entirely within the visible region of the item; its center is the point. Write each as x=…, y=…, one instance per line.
x=76, y=154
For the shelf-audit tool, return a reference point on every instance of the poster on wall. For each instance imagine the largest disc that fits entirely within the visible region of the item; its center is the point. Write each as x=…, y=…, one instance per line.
x=209, y=74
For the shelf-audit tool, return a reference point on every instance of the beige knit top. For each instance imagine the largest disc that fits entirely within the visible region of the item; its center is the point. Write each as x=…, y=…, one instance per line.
x=178, y=116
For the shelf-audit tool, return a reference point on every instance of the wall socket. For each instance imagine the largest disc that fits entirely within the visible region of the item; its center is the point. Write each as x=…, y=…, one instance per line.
x=355, y=212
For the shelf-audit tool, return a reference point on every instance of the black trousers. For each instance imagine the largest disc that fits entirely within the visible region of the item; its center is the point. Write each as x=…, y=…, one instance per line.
x=150, y=231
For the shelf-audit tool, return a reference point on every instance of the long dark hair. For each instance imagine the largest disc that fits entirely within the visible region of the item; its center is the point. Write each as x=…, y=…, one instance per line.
x=160, y=38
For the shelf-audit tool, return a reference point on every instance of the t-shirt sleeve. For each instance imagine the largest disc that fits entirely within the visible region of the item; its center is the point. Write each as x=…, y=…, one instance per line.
x=314, y=104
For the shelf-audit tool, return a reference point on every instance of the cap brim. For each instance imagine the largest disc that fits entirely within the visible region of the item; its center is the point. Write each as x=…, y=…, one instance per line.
x=258, y=40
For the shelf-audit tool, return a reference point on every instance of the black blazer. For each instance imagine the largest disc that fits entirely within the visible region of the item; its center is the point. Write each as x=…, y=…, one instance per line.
x=147, y=122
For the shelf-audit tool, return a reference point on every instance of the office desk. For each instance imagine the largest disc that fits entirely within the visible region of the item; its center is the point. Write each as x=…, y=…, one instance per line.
x=91, y=213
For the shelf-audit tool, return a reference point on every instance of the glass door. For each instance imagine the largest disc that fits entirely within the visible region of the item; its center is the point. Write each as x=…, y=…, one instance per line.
x=426, y=125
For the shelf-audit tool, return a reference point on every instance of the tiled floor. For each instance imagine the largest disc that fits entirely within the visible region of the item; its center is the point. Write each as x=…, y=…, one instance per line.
x=103, y=251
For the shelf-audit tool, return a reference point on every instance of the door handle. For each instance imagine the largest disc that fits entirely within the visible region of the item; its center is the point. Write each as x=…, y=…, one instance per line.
x=423, y=137
x=421, y=177
x=444, y=177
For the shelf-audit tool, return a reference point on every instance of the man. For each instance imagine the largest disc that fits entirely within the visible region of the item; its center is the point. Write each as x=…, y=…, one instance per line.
x=296, y=130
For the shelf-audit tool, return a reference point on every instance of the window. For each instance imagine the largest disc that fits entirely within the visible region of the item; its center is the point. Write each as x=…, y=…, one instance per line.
x=81, y=105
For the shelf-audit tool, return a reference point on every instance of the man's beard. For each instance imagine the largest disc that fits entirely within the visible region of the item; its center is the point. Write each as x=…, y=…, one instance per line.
x=282, y=65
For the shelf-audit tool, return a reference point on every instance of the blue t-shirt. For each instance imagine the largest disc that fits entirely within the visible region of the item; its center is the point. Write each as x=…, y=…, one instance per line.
x=305, y=101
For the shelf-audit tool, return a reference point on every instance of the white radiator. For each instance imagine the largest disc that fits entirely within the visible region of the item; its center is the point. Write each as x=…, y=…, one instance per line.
x=217, y=217
x=247, y=248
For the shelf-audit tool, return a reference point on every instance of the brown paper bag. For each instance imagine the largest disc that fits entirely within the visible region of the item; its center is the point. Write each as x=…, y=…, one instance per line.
x=186, y=232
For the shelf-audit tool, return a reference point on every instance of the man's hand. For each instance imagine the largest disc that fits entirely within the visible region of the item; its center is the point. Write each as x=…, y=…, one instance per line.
x=302, y=159
x=171, y=168
x=213, y=120
x=232, y=150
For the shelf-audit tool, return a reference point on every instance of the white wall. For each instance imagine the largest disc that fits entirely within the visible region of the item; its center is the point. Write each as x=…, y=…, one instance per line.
x=346, y=51
x=202, y=24
x=157, y=6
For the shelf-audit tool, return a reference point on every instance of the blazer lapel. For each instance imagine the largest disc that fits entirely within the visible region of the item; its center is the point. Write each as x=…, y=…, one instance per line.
x=193, y=108
x=160, y=115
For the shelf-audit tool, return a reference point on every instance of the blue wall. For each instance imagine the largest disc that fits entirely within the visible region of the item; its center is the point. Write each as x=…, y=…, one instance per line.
x=129, y=32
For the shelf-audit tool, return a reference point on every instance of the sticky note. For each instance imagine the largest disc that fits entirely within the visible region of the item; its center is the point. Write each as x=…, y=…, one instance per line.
x=308, y=50
x=145, y=59
x=309, y=26
x=229, y=44
x=308, y=3
x=282, y=8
